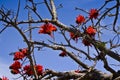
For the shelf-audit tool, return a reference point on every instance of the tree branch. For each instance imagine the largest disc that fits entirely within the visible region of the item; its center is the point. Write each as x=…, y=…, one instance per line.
x=57, y=47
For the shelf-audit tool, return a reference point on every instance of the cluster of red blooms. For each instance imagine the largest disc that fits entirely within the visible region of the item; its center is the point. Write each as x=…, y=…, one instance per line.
x=20, y=54
x=29, y=71
x=91, y=32
x=80, y=19
x=17, y=67
x=4, y=78
x=47, y=28
x=26, y=69
x=93, y=13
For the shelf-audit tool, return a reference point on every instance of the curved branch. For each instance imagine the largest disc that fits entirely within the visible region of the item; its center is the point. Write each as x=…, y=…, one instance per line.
x=116, y=15
x=57, y=47
x=93, y=75
x=102, y=16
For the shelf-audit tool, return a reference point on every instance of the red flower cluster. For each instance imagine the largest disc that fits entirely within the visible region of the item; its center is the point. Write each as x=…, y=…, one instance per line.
x=39, y=69
x=4, y=78
x=91, y=31
x=80, y=19
x=93, y=13
x=63, y=54
x=74, y=36
x=86, y=42
x=29, y=71
x=15, y=67
x=47, y=28
x=20, y=54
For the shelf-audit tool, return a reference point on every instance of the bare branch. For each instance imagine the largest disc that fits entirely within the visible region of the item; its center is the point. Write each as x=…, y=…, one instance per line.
x=74, y=75
x=57, y=47
x=116, y=16
x=53, y=8
x=17, y=11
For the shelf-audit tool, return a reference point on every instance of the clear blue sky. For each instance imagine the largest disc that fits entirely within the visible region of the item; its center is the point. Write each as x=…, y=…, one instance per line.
x=10, y=39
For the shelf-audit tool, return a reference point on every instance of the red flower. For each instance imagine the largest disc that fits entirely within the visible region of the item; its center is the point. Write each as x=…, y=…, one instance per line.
x=18, y=55
x=80, y=19
x=15, y=71
x=28, y=70
x=93, y=13
x=4, y=78
x=47, y=28
x=24, y=51
x=91, y=31
x=16, y=65
x=21, y=54
x=86, y=43
x=63, y=54
x=74, y=36
x=39, y=69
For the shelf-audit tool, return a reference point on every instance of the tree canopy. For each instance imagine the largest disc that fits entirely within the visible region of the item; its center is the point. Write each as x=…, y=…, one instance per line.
x=91, y=37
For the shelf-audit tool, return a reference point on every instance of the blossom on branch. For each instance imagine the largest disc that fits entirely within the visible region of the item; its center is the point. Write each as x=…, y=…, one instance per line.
x=93, y=13
x=15, y=71
x=4, y=78
x=91, y=31
x=80, y=19
x=39, y=69
x=74, y=36
x=86, y=42
x=28, y=70
x=15, y=67
x=47, y=28
x=24, y=51
x=20, y=54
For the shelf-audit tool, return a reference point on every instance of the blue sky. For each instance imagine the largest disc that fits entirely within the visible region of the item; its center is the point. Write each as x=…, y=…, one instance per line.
x=10, y=39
